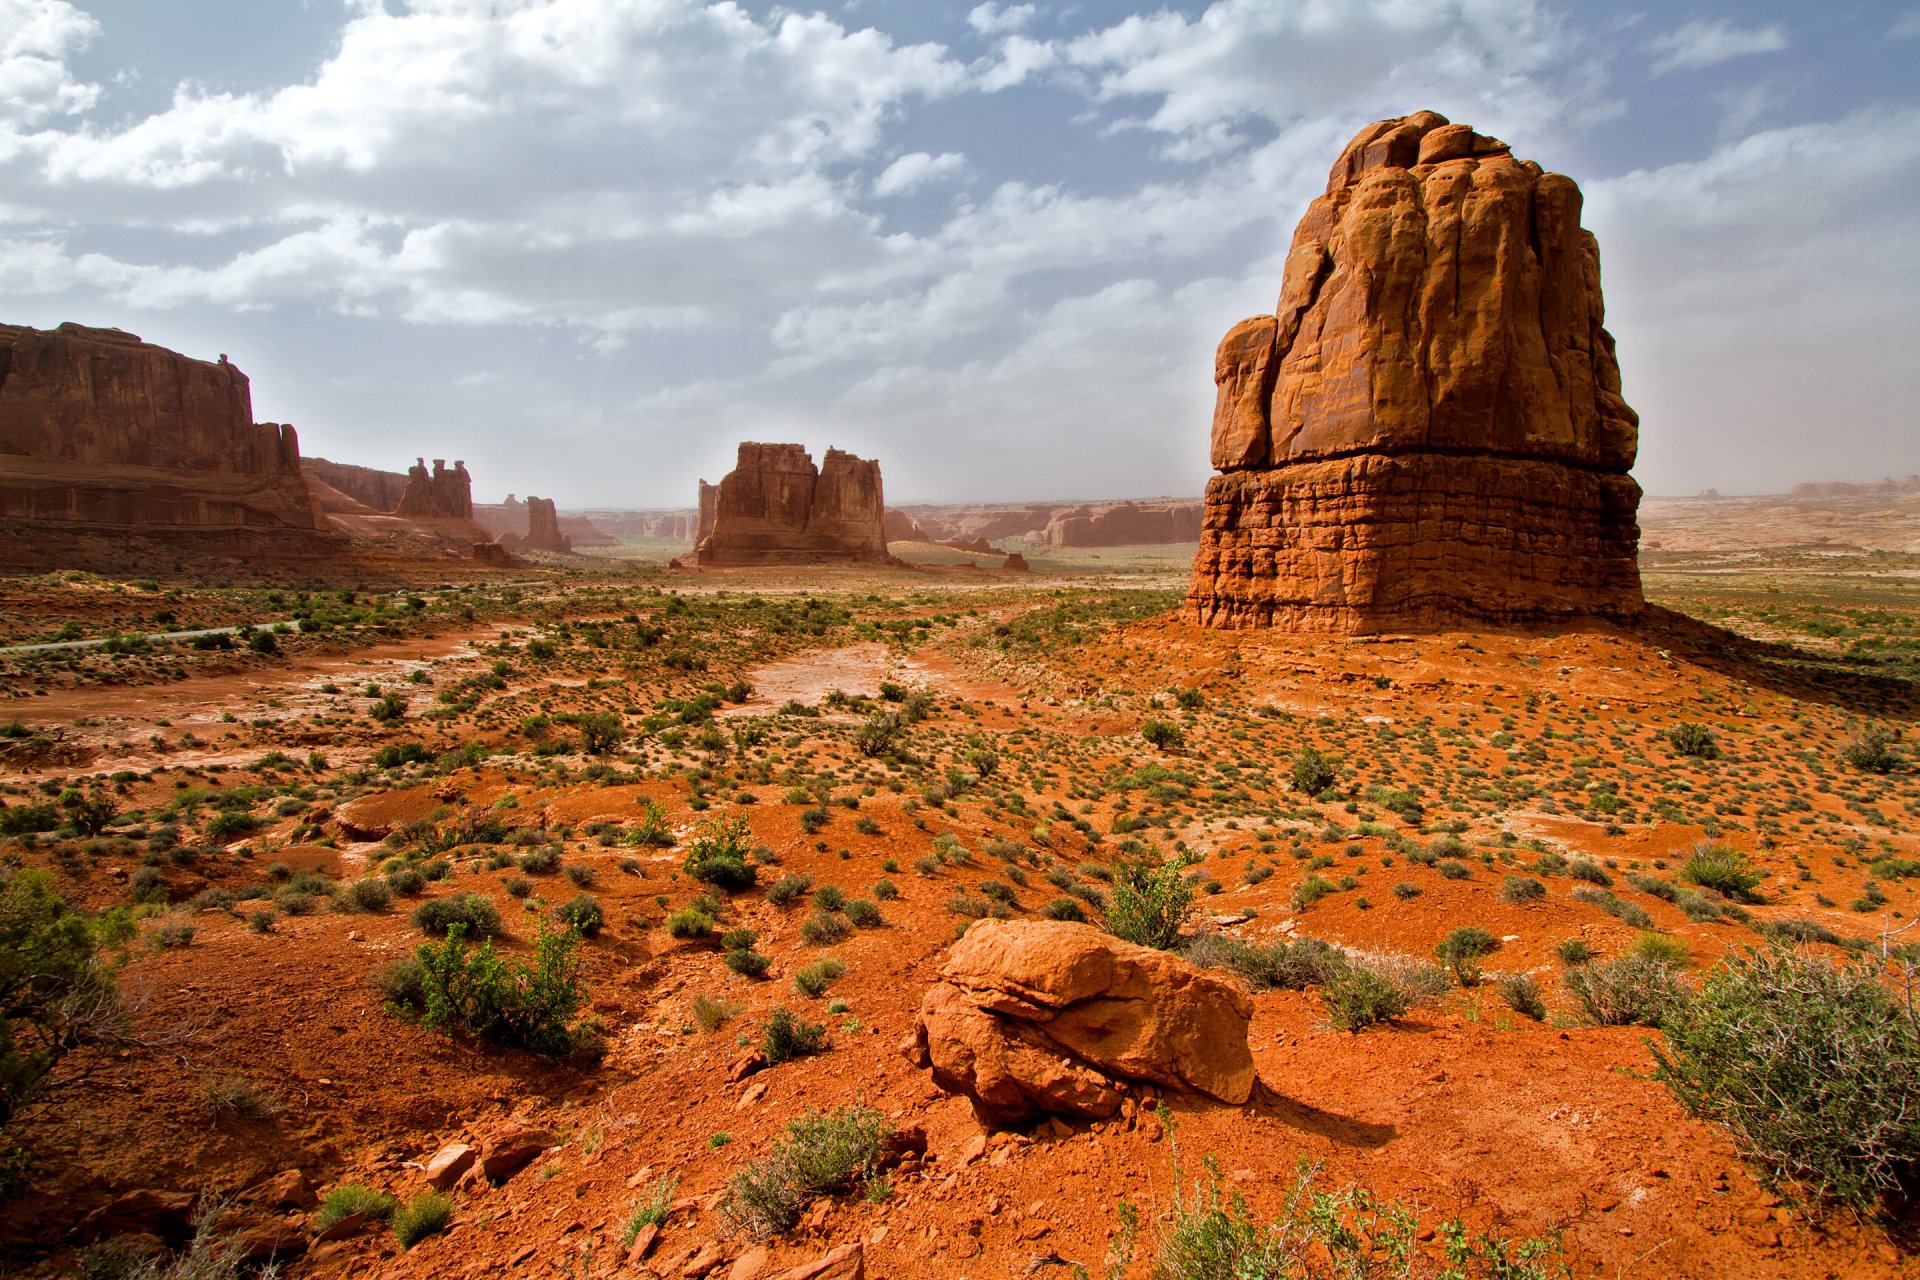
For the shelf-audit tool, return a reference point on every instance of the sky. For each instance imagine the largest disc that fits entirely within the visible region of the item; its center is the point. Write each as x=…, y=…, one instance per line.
x=589, y=245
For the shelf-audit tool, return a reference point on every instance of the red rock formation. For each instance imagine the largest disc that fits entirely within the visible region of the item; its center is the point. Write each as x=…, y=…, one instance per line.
x=374, y=489
x=1429, y=430
x=103, y=433
x=1016, y=563
x=775, y=507
x=543, y=527
x=709, y=504
x=443, y=495
x=900, y=527
x=1126, y=524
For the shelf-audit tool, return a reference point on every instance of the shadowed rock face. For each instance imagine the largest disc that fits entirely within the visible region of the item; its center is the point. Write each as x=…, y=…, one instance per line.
x=543, y=527
x=101, y=430
x=1429, y=429
x=443, y=494
x=776, y=507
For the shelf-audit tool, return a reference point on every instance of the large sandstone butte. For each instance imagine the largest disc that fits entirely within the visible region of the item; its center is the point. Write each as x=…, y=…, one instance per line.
x=1429, y=430
x=103, y=434
x=776, y=507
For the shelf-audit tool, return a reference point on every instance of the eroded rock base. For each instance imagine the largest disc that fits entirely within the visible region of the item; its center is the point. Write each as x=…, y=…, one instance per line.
x=1415, y=541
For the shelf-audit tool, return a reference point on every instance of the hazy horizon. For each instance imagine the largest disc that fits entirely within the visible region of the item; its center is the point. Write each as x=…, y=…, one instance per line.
x=590, y=245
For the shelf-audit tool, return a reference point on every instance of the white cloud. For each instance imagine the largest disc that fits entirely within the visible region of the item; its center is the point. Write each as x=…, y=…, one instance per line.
x=993, y=19
x=916, y=168
x=1020, y=60
x=1705, y=44
x=36, y=39
x=1906, y=26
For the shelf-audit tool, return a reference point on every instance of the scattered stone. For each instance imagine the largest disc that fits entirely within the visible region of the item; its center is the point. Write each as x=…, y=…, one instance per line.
x=642, y=1243
x=705, y=1259
x=848, y=1262
x=745, y=1065
x=342, y=1228
x=514, y=1151
x=448, y=1164
x=287, y=1190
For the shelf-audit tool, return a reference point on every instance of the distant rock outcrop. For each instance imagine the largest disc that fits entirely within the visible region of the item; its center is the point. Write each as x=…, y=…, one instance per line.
x=543, y=527
x=1034, y=1017
x=1429, y=430
x=444, y=494
x=1125, y=524
x=101, y=433
x=900, y=527
x=776, y=507
x=374, y=489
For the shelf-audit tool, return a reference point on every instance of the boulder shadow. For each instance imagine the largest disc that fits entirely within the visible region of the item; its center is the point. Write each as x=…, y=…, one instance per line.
x=1331, y=1125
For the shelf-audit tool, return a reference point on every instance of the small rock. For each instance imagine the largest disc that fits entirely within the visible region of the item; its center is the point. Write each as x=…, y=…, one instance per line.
x=745, y=1065
x=642, y=1243
x=514, y=1151
x=448, y=1164
x=704, y=1260
x=751, y=1094
x=268, y=1240
x=973, y=1148
x=341, y=1228
x=844, y=1263
x=287, y=1190
x=750, y=1265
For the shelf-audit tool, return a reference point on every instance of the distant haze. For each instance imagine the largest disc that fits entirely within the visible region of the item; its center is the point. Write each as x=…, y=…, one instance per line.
x=589, y=245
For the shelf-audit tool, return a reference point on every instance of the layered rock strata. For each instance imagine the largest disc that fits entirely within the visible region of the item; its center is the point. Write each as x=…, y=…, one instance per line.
x=442, y=494
x=1034, y=1017
x=776, y=507
x=1429, y=430
x=101, y=433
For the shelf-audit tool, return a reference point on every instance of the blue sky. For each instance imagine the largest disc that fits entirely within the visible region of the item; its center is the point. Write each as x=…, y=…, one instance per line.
x=589, y=245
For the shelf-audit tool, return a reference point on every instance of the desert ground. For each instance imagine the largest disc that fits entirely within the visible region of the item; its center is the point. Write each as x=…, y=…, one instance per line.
x=273, y=820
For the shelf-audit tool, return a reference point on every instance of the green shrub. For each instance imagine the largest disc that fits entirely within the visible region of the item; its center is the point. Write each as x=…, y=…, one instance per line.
x=1463, y=949
x=1690, y=739
x=1064, y=909
x=718, y=855
x=600, y=732
x=1277, y=966
x=582, y=913
x=650, y=1212
x=1161, y=734
x=1813, y=1068
x=503, y=1000
x=1872, y=752
x=1311, y=890
x=786, y=1037
x=1615, y=905
x=824, y=928
x=1520, y=890
x=864, y=913
x=1592, y=872
x=472, y=913
x=1313, y=771
x=350, y=1198
x=747, y=963
x=876, y=737
x=538, y=861
x=365, y=895
x=1573, y=951
x=814, y=979
x=788, y=888
x=830, y=897
x=421, y=1216
x=1522, y=995
x=1150, y=904
x=1630, y=991
x=1724, y=870
x=1663, y=950
x=821, y=1153
x=689, y=922
x=1358, y=996
x=54, y=995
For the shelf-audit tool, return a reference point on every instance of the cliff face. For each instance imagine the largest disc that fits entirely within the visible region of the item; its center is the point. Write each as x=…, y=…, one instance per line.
x=543, y=527
x=1125, y=524
x=1429, y=429
x=441, y=495
x=374, y=489
x=776, y=507
x=101, y=431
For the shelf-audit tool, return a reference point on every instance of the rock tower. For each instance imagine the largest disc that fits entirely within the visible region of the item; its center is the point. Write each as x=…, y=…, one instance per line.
x=776, y=507
x=1428, y=432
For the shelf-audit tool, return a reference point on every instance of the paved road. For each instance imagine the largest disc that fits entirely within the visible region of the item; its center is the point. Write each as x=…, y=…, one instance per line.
x=293, y=623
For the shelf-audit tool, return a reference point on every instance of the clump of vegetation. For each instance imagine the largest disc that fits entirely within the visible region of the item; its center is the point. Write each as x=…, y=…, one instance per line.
x=1632, y=990
x=786, y=1037
x=1814, y=1068
x=348, y=1199
x=1313, y=771
x=1872, y=752
x=1696, y=740
x=718, y=855
x=421, y=1216
x=454, y=987
x=1463, y=950
x=650, y=1212
x=1724, y=870
x=1163, y=735
x=472, y=913
x=1150, y=904
x=1276, y=966
x=821, y=1153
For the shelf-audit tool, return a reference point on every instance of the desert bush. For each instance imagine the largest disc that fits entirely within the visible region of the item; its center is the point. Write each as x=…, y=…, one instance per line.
x=864, y=913
x=689, y=922
x=1697, y=740
x=1163, y=735
x=1150, y=904
x=350, y=1198
x=815, y=978
x=421, y=1216
x=1592, y=872
x=786, y=1037
x=1629, y=991
x=600, y=732
x=1277, y=966
x=583, y=913
x=1357, y=997
x=787, y=888
x=233, y=1096
x=830, y=897
x=1814, y=1069
x=539, y=861
x=1615, y=905
x=821, y=1153
x=1573, y=951
x=1522, y=995
x=474, y=914
x=1725, y=870
x=1313, y=771
x=503, y=1000
x=1520, y=890
x=1872, y=752
x=747, y=962
x=718, y=854
x=878, y=734
x=1064, y=909
x=710, y=1015
x=1663, y=950
x=364, y=895
x=55, y=996
x=650, y=1212
x=1463, y=949
x=824, y=928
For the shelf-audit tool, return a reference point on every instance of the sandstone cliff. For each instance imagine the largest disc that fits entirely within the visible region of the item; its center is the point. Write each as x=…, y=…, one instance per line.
x=102, y=433
x=1429, y=429
x=776, y=507
x=543, y=527
x=442, y=495
x=1125, y=524
x=374, y=489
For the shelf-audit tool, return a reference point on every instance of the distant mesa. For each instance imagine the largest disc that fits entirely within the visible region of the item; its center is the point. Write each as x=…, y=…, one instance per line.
x=899, y=526
x=1840, y=489
x=776, y=507
x=1429, y=429
x=419, y=511
x=1125, y=524
x=104, y=437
